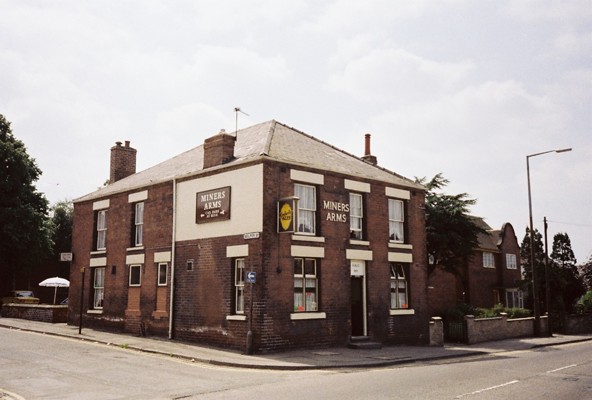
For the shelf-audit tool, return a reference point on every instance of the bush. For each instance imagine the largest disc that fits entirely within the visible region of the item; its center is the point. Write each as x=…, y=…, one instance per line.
x=584, y=304
x=464, y=309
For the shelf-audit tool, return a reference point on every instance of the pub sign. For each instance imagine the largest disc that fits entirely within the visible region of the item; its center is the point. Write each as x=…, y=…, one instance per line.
x=286, y=214
x=213, y=205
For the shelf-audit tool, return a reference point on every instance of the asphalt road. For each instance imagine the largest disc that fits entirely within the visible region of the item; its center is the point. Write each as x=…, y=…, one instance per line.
x=36, y=366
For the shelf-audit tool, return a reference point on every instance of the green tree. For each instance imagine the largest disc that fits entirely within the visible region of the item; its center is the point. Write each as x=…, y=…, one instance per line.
x=61, y=223
x=452, y=234
x=586, y=272
x=567, y=285
x=25, y=231
x=539, y=265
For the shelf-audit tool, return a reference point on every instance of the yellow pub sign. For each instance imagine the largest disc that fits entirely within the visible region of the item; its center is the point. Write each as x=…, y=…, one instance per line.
x=286, y=214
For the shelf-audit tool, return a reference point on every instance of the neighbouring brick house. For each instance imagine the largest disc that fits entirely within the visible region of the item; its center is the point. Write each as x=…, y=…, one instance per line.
x=493, y=274
x=335, y=242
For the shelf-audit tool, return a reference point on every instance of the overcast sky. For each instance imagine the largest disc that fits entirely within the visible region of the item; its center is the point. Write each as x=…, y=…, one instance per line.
x=465, y=88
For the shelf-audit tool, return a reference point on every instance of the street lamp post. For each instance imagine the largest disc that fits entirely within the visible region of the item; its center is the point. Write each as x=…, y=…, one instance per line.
x=535, y=297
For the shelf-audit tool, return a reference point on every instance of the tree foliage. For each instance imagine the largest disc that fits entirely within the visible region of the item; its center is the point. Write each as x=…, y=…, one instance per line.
x=567, y=285
x=586, y=272
x=61, y=229
x=25, y=231
x=452, y=234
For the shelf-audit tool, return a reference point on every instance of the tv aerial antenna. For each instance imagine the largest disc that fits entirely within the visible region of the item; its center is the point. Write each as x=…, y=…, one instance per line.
x=236, y=111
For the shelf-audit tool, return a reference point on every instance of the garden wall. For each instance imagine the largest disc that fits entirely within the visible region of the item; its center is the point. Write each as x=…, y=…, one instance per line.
x=36, y=312
x=499, y=328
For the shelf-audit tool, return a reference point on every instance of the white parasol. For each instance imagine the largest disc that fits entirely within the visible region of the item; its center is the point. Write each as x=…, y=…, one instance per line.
x=55, y=283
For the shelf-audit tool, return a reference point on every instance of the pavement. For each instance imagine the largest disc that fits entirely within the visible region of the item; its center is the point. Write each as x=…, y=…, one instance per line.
x=304, y=359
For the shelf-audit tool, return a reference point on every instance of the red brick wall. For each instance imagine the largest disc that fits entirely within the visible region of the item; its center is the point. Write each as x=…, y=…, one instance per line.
x=203, y=296
x=156, y=238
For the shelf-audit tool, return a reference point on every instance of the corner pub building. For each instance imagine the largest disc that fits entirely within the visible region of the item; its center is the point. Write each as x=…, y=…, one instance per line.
x=267, y=230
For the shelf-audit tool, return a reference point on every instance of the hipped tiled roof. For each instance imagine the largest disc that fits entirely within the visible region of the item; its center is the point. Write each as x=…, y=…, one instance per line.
x=271, y=140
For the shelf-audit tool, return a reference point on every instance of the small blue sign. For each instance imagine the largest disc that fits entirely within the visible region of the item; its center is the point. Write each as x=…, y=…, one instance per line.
x=251, y=277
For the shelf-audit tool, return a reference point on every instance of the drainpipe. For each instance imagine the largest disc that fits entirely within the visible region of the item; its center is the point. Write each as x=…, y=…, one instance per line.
x=173, y=240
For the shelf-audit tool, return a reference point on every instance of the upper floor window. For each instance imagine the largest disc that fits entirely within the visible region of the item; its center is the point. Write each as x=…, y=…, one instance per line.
x=511, y=261
x=306, y=288
x=488, y=260
x=138, y=223
x=399, y=287
x=356, y=216
x=135, y=275
x=239, y=286
x=101, y=229
x=396, y=210
x=307, y=208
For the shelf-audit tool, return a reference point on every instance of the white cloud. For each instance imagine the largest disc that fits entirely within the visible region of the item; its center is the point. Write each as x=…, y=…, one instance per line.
x=397, y=75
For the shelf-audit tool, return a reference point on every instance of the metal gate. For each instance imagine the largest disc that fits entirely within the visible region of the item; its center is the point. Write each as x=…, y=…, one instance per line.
x=455, y=330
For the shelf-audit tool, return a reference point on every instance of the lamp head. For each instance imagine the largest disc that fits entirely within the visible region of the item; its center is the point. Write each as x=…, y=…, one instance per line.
x=562, y=150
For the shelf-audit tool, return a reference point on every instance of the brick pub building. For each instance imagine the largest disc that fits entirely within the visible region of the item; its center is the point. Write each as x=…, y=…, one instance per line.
x=334, y=243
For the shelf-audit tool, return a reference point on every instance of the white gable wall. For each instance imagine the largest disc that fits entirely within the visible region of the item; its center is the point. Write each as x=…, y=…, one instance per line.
x=246, y=204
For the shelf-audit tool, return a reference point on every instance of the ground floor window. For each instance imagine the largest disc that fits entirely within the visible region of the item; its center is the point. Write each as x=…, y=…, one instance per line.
x=162, y=274
x=399, y=287
x=239, y=286
x=98, y=287
x=135, y=276
x=514, y=298
x=306, y=288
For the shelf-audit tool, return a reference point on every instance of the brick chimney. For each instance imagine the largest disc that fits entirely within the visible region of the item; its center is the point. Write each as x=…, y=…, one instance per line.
x=218, y=149
x=123, y=161
x=368, y=157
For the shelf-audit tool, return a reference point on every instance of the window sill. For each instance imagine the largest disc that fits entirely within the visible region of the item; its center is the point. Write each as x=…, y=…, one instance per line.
x=395, y=245
x=94, y=311
x=407, y=311
x=98, y=252
x=493, y=267
x=307, y=315
x=137, y=248
x=359, y=242
x=236, y=318
x=306, y=238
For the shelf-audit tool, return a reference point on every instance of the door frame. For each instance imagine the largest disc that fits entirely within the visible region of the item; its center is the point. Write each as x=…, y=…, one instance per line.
x=357, y=271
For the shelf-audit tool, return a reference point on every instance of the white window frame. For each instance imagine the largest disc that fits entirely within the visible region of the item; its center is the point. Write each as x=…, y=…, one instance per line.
x=98, y=287
x=139, y=223
x=488, y=260
x=162, y=266
x=101, y=229
x=239, y=286
x=399, y=287
x=511, y=261
x=139, y=268
x=516, y=296
x=307, y=208
x=396, y=220
x=356, y=216
x=305, y=299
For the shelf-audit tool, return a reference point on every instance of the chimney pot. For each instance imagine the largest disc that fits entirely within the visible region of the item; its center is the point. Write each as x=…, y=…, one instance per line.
x=127, y=143
x=367, y=153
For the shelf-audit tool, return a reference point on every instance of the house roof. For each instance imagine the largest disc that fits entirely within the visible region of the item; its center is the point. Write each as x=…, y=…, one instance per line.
x=488, y=240
x=268, y=140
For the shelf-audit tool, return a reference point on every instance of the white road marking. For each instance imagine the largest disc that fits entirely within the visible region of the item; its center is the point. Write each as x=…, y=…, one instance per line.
x=487, y=389
x=559, y=369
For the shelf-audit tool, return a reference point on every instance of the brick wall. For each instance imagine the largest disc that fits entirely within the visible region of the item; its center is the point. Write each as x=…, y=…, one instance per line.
x=36, y=312
x=156, y=238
